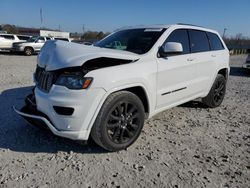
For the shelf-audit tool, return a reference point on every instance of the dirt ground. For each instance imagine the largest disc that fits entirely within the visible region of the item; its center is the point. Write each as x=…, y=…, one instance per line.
x=186, y=146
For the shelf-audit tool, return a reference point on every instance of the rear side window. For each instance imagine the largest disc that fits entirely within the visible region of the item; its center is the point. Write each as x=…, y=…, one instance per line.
x=8, y=37
x=47, y=38
x=198, y=41
x=64, y=39
x=215, y=42
x=180, y=36
x=23, y=37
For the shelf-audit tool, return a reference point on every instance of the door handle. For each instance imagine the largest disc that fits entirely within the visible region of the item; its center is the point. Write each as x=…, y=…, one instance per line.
x=191, y=59
x=213, y=55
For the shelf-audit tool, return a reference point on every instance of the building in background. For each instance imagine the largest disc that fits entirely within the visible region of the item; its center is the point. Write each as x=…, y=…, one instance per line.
x=50, y=33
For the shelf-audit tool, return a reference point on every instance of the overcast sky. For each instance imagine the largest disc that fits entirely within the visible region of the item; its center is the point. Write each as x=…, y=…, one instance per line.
x=112, y=14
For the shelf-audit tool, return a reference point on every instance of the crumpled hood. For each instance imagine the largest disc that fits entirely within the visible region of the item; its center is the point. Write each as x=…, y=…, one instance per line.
x=60, y=54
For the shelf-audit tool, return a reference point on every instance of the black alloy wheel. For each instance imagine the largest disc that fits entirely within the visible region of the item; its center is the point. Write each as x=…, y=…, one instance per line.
x=119, y=122
x=217, y=92
x=123, y=122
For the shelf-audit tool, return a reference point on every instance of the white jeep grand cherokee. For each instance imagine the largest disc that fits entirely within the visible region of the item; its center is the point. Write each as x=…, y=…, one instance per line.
x=107, y=90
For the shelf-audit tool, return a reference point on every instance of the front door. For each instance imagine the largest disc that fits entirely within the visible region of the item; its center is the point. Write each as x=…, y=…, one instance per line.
x=176, y=77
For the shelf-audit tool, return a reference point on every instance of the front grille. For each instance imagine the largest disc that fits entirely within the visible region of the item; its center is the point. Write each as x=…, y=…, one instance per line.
x=44, y=79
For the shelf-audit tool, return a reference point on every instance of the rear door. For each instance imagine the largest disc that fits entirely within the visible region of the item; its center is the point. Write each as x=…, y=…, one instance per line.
x=205, y=60
x=176, y=77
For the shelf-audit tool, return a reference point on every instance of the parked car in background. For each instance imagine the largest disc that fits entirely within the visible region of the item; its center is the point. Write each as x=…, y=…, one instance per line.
x=246, y=65
x=7, y=40
x=107, y=90
x=32, y=46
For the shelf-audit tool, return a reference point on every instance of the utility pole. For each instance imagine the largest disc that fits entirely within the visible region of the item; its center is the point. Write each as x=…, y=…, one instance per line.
x=83, y=29
x=41, y=17
x=224, y=33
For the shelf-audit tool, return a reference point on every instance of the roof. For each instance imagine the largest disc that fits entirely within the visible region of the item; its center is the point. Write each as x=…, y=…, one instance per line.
x=158, y=26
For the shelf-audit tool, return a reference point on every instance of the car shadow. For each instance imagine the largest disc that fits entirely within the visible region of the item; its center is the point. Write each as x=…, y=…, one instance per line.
x=17, y=135
x=8, y=53
x=193, y=104
x=239, y=71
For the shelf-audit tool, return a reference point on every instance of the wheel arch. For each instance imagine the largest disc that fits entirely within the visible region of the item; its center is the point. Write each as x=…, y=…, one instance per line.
x=29, y=47
x=224, y=72
x=141, y=94
x=140, y=91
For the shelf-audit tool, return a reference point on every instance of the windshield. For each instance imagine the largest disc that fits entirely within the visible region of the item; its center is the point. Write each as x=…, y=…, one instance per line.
x=32, y=39
x=137, y=41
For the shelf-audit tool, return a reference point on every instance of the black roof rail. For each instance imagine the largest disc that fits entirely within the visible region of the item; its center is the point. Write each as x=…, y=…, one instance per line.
x=188, y=24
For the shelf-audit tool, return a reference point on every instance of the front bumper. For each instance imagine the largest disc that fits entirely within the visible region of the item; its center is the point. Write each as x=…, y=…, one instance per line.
x=17, y=49
x=39, y=111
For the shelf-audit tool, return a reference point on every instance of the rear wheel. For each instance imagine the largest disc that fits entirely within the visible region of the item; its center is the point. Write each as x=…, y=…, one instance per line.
x=216, y=93
x=119, y=122
x=28, y=51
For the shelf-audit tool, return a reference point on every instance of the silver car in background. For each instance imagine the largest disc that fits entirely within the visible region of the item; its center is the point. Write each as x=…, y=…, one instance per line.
x=246, y=65
x=34, y=44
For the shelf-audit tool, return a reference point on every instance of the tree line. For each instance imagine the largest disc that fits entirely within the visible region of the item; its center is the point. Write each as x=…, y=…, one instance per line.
x=92, y=36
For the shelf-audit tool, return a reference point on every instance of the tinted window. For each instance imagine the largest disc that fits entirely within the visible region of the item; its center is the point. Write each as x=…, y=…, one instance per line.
x=41, y=39
x=181, y=36
x=64, y=39
x=198, y=41
x=215, y=42
x=23, y=37
x=9, y=37
x=47, y=38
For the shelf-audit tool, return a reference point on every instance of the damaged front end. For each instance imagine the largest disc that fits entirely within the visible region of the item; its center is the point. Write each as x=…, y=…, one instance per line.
x=62, y=99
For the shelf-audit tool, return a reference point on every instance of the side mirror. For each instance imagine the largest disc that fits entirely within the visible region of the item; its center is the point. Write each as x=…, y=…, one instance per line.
x=170, y=48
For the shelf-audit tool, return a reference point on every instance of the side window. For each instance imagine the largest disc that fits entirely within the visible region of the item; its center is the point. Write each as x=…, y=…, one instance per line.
x=215, y=42
x=198, y=41
x=41, y=39
x=47, y=38
x=181, y=36
x=9, y=37
x=23, y=37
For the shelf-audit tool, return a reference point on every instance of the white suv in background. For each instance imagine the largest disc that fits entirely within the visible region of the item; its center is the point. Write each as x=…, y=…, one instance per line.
x=107, y=91
x=7, y=40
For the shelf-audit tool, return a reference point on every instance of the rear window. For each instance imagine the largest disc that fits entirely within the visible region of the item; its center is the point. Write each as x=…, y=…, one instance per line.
x=198, y=41
x=215, y=42
x=8, y=37
x=23, y=37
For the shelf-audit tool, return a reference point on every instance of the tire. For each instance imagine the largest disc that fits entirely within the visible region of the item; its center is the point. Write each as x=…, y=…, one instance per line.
x=28, y=51
x=216, y=93
x=119, y=122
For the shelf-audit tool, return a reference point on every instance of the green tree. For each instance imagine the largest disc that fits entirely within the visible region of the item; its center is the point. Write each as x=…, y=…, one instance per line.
x=10, y=28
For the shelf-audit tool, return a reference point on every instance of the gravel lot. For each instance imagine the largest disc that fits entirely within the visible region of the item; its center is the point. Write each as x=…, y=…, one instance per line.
x=187, y=146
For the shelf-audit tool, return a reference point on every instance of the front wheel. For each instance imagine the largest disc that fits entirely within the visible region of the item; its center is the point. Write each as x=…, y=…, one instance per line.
x=216, y=93
x=119, y=122
x=28, y=51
